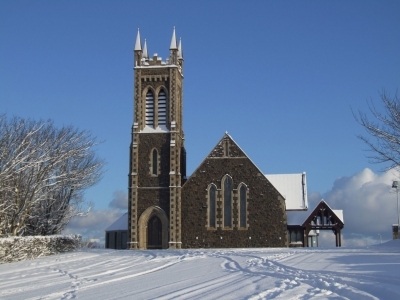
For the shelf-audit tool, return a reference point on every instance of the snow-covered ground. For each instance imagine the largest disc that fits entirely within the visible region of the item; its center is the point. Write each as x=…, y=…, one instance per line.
x=286, y=273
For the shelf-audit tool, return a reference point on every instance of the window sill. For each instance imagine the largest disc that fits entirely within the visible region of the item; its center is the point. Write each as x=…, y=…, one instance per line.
x=227, y=228
x=211, y=228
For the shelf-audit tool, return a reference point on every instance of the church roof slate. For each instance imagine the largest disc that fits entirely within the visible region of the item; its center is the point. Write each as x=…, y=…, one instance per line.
x=120, y=224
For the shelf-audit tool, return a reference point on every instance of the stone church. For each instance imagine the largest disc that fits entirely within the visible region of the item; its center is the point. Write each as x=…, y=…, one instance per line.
x=226, y=202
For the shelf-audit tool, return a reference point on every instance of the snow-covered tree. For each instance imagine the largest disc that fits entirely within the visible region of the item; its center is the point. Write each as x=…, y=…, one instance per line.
x=44, y=171
x=383, y=131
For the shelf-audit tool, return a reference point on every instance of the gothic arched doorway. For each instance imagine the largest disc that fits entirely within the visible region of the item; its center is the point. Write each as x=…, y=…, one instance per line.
x=154, y=233
x=153, y=228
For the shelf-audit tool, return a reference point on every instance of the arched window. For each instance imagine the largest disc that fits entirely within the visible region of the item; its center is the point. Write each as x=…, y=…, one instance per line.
x=154, y=162
x=162, y=108
x=150, y=109
x=243, y=206
x=227, y=202
x=212, y=199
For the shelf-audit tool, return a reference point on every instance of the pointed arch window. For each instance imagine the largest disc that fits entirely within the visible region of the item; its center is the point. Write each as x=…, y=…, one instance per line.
x=154, y=162
x=243, y=206
x=227, y=201
x=150, y=108
x=212, y=205
x=162, y=108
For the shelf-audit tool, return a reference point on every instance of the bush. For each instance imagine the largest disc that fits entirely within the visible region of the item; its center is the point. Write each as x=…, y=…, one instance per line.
x=30, y=247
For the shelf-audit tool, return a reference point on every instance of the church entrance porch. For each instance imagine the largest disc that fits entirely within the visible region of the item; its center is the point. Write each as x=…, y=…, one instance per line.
x=323, y=218
x=153, y=229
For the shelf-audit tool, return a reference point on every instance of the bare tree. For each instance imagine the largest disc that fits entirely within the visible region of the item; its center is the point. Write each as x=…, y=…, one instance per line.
x=43, y=174
x=383, y=131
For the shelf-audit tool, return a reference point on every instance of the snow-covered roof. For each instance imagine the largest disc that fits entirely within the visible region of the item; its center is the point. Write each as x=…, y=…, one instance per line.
x=296, y=217
x=339, y=214
x=120, y=224
x=299, y=217
x=160, y=128
x=293, y=187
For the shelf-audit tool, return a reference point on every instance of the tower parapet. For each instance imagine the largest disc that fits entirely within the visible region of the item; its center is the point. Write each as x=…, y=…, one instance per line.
x=142, y=59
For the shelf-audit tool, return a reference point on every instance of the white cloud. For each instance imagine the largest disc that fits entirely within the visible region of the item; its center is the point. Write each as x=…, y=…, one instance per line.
x=120, y=200
x=94, y=224
x=369, y=206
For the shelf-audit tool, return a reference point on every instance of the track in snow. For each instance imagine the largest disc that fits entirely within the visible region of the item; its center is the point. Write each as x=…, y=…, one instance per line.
x=206, y=274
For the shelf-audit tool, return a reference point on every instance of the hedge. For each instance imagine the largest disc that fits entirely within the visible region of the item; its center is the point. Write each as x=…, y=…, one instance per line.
x=30, y=247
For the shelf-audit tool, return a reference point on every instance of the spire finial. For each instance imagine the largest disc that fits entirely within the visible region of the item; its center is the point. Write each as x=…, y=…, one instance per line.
x=173, y=41
x=180, y=53
x=138, y=44
x=145, y=54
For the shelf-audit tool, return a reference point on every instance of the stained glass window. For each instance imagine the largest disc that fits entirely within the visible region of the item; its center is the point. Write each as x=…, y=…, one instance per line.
x=228, y=202
x=212, y=200
x=243, y=206
x=154, y=162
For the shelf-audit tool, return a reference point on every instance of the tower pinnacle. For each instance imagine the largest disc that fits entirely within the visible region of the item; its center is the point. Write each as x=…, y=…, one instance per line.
x=138, y=44
x=173, y=41
x=180, y=53
x=145, y=54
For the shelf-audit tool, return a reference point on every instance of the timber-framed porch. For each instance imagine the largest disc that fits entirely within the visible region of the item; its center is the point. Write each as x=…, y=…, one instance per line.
x=324, y=218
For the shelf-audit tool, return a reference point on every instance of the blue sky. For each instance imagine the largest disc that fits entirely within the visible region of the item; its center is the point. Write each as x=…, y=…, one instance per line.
x=280, y=76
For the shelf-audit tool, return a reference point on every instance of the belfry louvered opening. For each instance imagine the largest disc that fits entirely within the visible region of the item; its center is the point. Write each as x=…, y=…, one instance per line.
x=150, y=109
x=162, y=108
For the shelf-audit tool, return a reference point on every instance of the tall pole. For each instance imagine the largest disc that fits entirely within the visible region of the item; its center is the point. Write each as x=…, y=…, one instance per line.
x=398, y=214
x=396, y=186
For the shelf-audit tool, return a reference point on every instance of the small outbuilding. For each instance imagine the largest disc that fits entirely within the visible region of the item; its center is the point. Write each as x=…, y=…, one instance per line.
x=116, y=233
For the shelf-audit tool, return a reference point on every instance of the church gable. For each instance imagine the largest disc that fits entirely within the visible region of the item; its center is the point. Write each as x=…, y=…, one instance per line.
x=226, y=148
x=323, y=217
x=227, y=202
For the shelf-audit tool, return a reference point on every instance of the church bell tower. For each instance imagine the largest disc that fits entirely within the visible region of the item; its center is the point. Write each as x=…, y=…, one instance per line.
x=157, y=166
